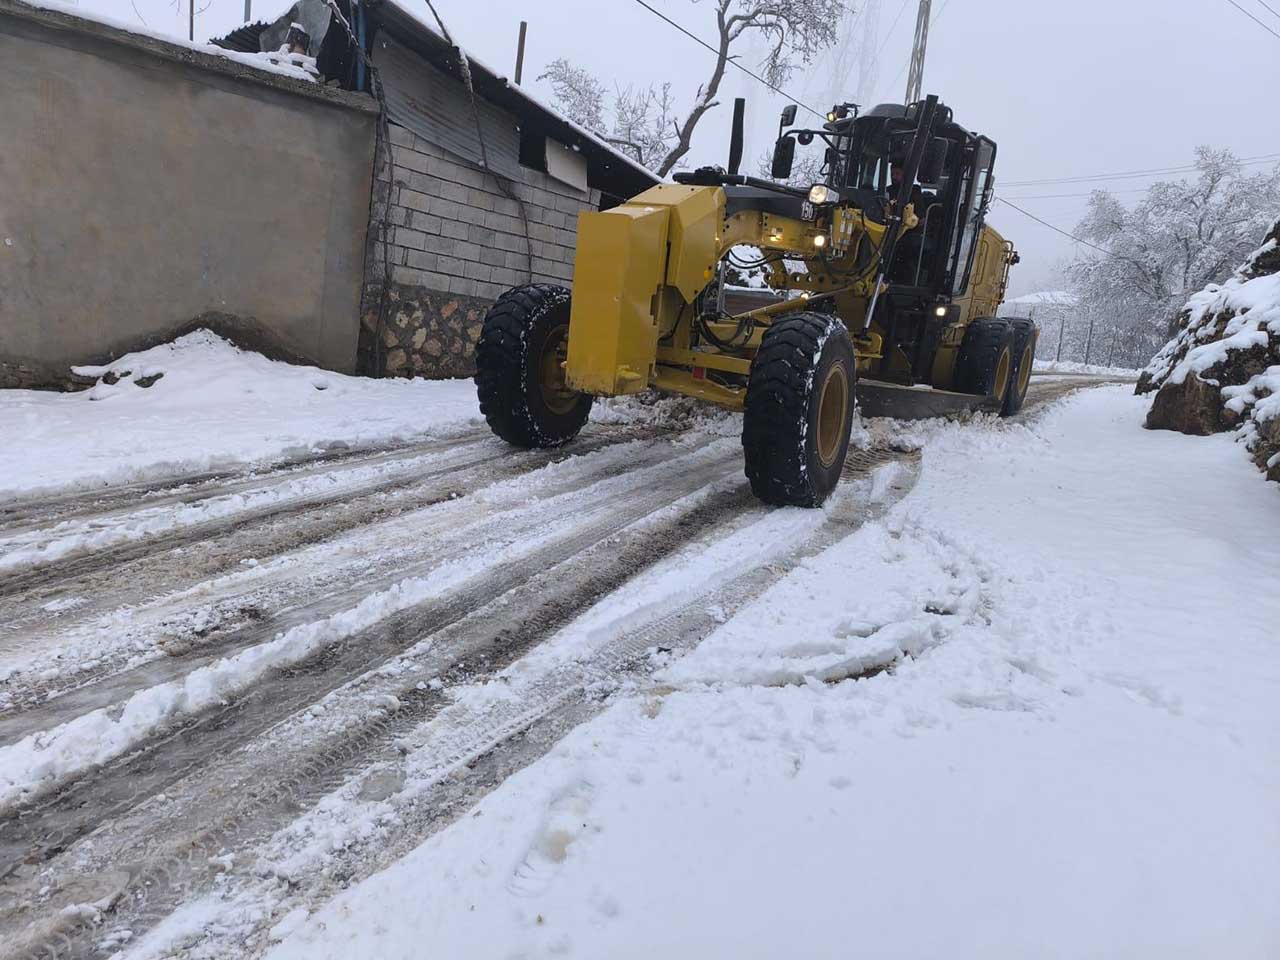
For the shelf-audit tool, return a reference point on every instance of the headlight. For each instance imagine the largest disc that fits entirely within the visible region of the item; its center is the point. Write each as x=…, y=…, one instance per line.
x=821, y=193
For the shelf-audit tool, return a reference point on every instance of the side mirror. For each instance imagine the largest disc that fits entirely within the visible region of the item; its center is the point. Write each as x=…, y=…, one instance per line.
x=934, y=161
x=788, y=114
x=784, y=154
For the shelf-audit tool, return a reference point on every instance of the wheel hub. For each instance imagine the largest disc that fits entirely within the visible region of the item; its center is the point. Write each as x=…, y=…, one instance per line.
x=1002, y=374
x=833, y=413
x=1024, y=371
x=558, y=396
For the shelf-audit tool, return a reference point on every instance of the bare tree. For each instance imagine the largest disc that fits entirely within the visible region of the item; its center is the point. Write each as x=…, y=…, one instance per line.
x=638, y=121
x=643, y=121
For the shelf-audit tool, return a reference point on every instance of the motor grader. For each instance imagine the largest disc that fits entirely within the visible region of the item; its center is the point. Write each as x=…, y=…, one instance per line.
x=886, y=269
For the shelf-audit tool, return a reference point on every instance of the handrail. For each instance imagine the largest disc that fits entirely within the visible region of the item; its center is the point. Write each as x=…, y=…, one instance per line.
x=924, y=235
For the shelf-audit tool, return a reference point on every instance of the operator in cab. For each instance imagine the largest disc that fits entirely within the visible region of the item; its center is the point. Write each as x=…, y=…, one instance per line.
x=918, y=199
x=911, y=245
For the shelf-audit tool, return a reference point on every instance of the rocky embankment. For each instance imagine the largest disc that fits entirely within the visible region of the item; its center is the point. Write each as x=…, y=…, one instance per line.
x=1222, y=370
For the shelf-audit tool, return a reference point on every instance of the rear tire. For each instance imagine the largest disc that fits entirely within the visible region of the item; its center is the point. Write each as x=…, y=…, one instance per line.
x=799, y=410
x=1025, y=335
x=520, y=369
x=985, y=364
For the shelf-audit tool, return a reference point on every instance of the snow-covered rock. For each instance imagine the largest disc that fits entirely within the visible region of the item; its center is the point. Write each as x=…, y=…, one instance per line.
x=1222, y=370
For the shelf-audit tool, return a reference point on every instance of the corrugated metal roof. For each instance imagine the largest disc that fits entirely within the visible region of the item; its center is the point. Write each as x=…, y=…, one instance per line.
x=435, y=106
x=244, y=39
x=608, y=170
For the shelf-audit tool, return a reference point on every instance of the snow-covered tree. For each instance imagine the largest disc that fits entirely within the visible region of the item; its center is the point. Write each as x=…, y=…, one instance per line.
x=644, y=121
x=1181, y=236
x=638, y=120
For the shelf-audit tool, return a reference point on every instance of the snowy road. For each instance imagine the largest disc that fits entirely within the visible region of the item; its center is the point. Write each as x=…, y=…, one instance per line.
x=190, y=674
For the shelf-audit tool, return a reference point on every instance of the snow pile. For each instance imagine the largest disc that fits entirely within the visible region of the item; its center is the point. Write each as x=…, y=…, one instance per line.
x=1222, y=370
x=1091, y=369
x=200, y=404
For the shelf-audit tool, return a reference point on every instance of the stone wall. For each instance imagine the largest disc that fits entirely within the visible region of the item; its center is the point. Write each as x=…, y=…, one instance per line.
x=456, y=244
x=146, y=184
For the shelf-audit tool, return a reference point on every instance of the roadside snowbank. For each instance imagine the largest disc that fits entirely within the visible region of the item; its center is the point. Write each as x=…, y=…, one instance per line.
x=1063, y=366
x=213, y=407
x=1059, y=740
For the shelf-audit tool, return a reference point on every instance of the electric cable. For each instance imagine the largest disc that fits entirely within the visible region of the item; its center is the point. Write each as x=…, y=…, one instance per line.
x=1272, y=9
x=1131, y=174
x=1255, y=19
x=1046, y=223
x=733, y=62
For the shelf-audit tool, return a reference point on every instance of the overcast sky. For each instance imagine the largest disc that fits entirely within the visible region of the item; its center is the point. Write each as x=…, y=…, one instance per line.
x=1065, y=88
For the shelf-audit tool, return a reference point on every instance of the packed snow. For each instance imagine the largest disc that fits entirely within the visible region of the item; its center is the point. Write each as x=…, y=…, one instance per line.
x=213, y=407
x=1030, y=712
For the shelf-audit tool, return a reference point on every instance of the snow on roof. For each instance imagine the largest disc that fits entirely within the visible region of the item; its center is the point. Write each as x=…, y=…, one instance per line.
x=268, y=63
x=1047, y=297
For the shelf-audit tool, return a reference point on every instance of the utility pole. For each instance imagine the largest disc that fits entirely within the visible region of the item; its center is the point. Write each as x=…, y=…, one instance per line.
x=915, y=76
x=524, y=27
x=191, y=20
x=1062, y=328
x=248, y=6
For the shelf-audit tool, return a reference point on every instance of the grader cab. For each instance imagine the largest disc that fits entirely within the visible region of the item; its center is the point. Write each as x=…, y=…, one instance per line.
x=887, y=270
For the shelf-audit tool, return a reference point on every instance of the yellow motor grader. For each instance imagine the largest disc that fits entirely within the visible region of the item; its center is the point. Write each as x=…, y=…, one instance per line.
x=887, y=269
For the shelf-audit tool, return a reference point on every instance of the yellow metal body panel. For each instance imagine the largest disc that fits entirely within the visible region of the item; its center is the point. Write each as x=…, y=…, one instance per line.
x=987, y=279
x=675, y=380
x=639, y=267
x=619, y=264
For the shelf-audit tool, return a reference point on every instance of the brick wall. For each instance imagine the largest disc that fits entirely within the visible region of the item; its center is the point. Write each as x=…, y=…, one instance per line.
x=456, y=244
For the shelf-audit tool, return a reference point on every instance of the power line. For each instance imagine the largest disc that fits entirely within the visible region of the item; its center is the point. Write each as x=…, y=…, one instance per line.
x=885, y=42
x=1129, y=174
x=733, y=62
x=1270, y=7
x=1046, y=223
x=1087, y=193
x=1255, y=19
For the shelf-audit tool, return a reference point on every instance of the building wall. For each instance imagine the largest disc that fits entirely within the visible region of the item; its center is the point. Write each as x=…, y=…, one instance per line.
x=147, y=188
x=456, y=244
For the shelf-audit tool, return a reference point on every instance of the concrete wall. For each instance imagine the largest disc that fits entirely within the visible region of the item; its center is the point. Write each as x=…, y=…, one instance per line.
x=456, y=244
x=144, y=185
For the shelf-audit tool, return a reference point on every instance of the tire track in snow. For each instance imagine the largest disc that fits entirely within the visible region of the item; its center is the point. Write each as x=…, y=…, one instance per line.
x=59, y=552
x=511, y=750
x=111, y=582
x=233, y=718
x=31, y=512
x=471, y=751
x=439, y=535
x=464, y=750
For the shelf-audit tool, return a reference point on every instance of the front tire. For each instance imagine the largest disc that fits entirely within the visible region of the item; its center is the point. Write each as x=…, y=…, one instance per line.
x=985, y=364
x=520, y=369
x=799, y=410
